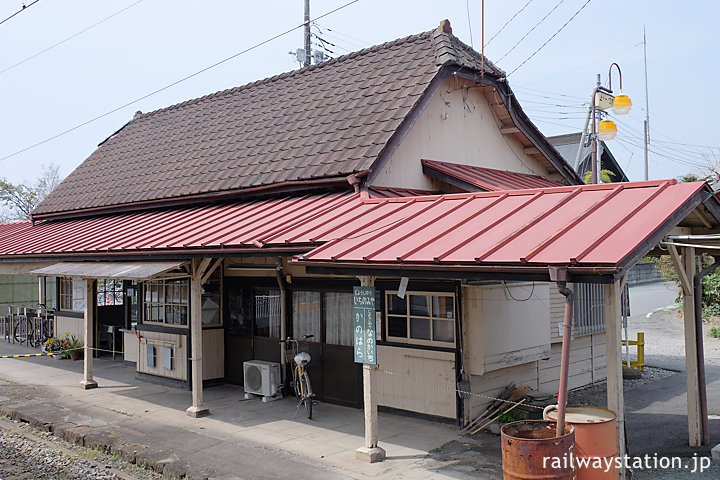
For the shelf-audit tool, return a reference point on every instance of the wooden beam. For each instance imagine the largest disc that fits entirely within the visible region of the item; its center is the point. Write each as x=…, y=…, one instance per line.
x=531, y=151
x=88, y=381
x=197, y=409
x=691, y=366
x=509, y=130
x=685, y=282
x=613, y=351
x=209, y=271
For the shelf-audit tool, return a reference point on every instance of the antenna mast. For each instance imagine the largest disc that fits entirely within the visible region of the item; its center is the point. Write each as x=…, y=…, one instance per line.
x=647, y=107
x=308, y=53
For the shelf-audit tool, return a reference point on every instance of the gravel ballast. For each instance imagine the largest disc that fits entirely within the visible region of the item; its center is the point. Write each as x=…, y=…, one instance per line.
x=27, y=454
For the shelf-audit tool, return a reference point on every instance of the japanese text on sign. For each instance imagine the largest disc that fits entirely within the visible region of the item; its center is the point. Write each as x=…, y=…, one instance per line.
x=364, y=324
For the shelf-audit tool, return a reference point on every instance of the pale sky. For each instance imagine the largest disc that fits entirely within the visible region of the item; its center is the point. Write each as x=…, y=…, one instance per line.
x=153, y=43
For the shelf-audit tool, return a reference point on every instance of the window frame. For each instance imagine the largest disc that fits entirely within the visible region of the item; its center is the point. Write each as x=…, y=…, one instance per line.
x=149, y=304
x=117, y=291
x=68, y=296
x=408, y=316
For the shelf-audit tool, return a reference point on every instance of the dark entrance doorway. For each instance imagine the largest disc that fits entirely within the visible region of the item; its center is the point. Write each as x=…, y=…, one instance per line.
x=252, y=326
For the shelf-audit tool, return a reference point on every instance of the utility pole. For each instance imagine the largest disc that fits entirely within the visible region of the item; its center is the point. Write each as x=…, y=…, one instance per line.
x=647, y=108
x=308, y=53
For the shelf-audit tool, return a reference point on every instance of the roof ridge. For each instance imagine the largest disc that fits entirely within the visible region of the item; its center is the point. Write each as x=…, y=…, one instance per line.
x=288, y=74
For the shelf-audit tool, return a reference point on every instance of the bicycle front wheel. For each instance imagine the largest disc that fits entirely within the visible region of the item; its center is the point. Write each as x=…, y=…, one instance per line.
x=307, y=397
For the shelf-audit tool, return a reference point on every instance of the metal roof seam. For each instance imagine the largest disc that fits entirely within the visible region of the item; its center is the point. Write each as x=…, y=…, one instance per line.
x=332, y=204
x=488, y=227
x=331, y=219
x=456, y=225
x=620, y=223
x=378, y=229
x=554, y=236
x=402, y=237
x=317, y=236
x=529, y=224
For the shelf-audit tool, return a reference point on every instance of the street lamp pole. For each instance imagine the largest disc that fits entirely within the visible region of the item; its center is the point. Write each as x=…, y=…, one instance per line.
x=621, y=106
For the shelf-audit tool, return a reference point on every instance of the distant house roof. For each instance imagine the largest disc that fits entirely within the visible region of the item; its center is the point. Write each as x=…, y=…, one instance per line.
x=310, y=126
x=471, y=178
x=568, y=144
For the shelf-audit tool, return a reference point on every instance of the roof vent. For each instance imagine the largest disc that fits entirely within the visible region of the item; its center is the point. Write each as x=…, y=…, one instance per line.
x=137, y=114
x=445, y=27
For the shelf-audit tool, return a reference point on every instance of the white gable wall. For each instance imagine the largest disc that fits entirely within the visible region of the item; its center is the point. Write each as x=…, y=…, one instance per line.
x=457, y=126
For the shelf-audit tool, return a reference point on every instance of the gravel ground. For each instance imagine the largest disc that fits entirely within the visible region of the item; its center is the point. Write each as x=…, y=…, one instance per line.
x=27, y=454
x=595, y=394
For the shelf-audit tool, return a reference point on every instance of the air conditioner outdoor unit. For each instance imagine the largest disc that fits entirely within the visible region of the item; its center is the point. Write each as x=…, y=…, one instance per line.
x=261, y=378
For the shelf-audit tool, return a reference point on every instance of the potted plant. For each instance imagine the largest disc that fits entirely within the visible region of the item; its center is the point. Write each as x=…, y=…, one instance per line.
x=72, y=348
x=54, y=347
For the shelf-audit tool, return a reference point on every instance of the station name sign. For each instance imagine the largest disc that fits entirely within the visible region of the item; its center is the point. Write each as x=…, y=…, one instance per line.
x=364, y=325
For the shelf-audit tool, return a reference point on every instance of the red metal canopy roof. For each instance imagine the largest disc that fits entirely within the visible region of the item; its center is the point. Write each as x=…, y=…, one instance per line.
x=587, y=226
x=580, y=225
x=488, y=179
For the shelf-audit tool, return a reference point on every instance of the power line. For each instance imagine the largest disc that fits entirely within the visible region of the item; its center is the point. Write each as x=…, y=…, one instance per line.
x=531, y=30
x=187, y=77
x=24, y=7
x=508, y=22
x=68, y=38
x=549, y=39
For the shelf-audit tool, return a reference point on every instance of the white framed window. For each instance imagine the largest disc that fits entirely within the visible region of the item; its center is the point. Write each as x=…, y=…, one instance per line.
x=72, y=294
x=423, y=318
x=166, y=301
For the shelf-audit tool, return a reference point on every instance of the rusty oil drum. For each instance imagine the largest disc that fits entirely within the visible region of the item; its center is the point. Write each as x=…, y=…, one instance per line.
x=595, y=440
x=529, y=448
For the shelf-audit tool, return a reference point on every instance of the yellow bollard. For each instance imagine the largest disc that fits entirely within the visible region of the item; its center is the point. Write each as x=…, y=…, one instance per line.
x=640, y=344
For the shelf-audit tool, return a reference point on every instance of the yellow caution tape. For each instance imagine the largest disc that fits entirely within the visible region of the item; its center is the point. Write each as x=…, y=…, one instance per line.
x=28, y=355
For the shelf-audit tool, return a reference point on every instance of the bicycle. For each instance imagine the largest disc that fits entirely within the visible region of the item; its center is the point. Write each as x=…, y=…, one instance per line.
x=301, y=379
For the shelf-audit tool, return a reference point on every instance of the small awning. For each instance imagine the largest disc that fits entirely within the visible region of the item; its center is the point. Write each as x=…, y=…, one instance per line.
x=115, y=270
x=472, y=179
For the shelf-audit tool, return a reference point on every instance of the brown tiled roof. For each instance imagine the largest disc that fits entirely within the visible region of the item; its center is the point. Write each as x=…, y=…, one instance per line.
x=327, y=120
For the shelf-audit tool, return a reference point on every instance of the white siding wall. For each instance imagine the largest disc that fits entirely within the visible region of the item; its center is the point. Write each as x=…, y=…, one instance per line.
x=587, y=356
x=457, y=126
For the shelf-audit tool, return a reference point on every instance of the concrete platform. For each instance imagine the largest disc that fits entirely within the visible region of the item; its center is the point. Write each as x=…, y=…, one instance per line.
x=147, y=424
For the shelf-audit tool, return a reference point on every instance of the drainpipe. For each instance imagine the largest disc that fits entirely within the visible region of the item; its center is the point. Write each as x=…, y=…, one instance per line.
x=559, y=275
x=700, y=350
x=283, y=315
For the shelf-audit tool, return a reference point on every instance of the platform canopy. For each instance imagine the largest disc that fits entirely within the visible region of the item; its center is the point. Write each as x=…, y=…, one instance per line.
x=115, y=270
x=593, y=230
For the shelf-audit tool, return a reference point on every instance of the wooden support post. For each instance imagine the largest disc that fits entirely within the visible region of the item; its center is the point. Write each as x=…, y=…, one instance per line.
x=197, y=409
x=615, y=399
x=691, y=365
x=370, y=452
x=41, y=294
x=88, y=381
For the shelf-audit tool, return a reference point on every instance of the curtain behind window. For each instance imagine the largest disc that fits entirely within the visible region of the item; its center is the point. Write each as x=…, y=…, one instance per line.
x=306, y=314
x=339, y=318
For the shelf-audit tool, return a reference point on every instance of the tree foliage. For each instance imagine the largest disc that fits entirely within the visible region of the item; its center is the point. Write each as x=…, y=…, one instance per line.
x=605, y=176
x=20, y=199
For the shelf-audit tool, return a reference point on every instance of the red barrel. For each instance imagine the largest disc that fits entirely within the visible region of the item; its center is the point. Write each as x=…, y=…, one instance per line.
x=530, y=450
x=595, y=441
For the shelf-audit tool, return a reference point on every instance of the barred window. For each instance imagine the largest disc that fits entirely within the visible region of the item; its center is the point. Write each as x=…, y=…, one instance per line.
x=590, y=308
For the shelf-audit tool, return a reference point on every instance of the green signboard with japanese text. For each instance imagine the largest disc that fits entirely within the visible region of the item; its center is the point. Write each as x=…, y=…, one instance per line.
x=364, y=323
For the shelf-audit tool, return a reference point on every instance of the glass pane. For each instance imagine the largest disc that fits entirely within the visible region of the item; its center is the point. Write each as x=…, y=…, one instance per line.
x=396, y=305
x=420, y=328
x=267, y=313
x=306, y=315
x=339, y=318
x=183, y=291
x=397, y=327
x=444, y=331
x=419, y=305
x=182, y=315
x=239, y=314
x=443, y=307
x=210, y=309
